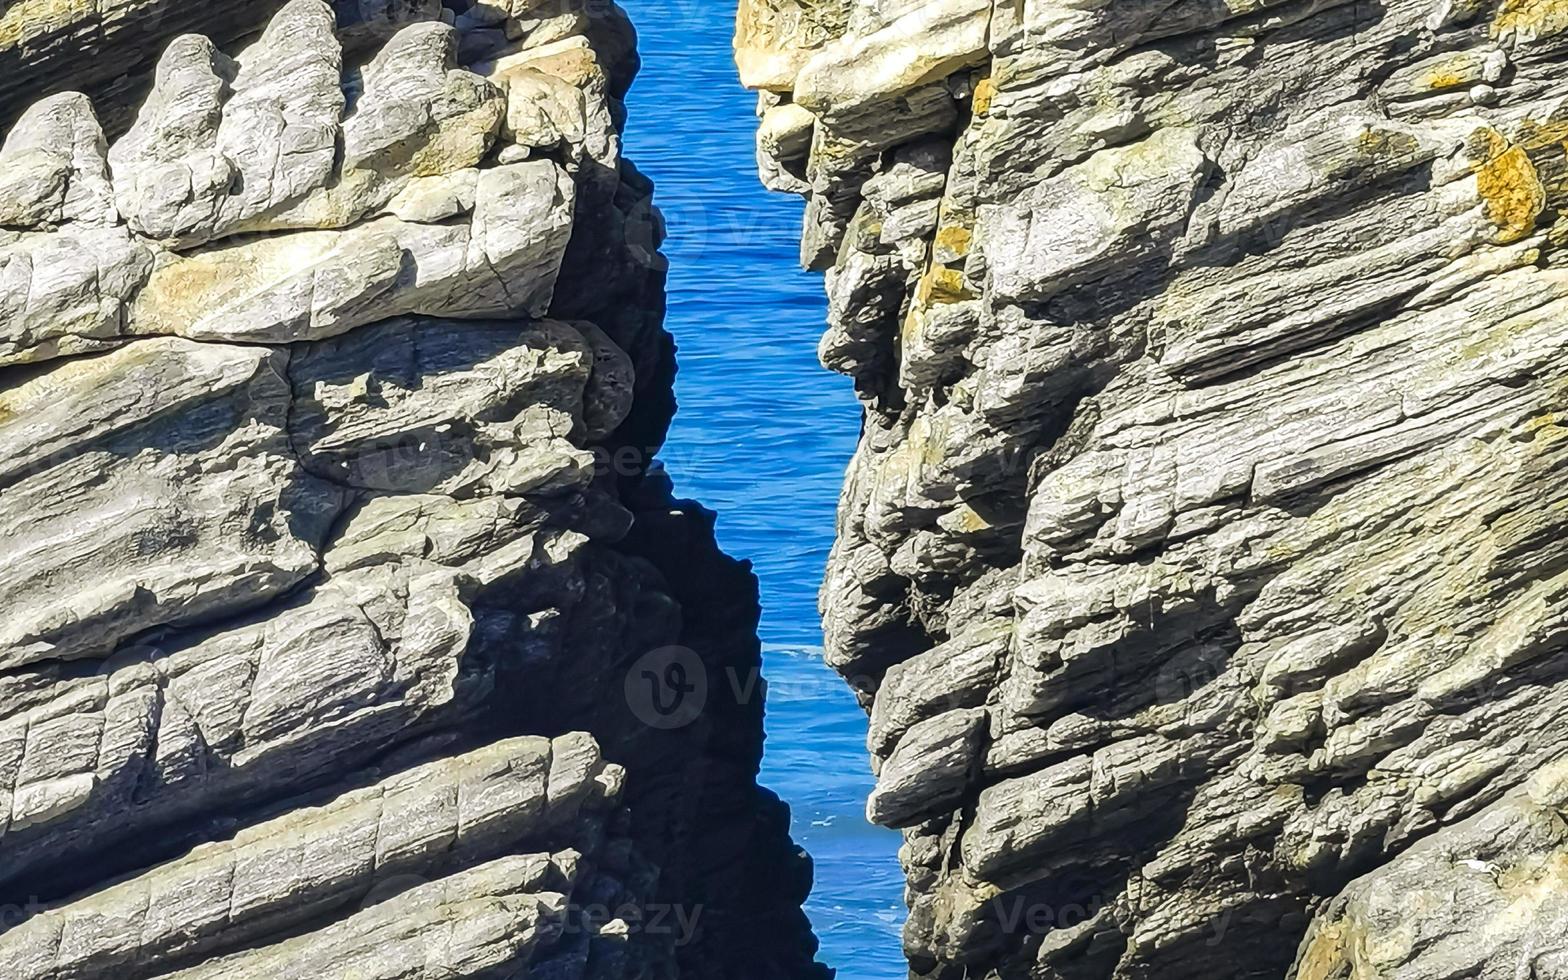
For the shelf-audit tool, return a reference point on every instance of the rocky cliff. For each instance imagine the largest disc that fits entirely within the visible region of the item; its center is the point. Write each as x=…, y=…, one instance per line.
x=339, y=587
x=1203, y=564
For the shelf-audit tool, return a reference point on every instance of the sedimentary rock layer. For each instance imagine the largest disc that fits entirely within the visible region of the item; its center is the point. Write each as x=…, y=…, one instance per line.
x=330, y=381
x=108, y=49
x=1202, y=562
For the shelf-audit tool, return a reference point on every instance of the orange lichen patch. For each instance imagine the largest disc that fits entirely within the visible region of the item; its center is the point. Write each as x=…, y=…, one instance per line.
x=1530, y=20
x=941, y=285
x=1457, y=70
x=1547, y=144
x=1513, y=192
x=985, y=94
x=954, y=238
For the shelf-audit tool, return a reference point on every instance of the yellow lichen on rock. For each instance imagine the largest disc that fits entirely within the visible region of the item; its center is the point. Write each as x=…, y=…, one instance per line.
x=30, y=19
x=1530, y=20
x=941, y=285
x=955, y=238
x=969, y=521
x=1324, y=956
x=985, y=94
x=1513, y=192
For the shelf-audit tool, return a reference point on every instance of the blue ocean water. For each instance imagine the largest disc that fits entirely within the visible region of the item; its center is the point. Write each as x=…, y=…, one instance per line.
x=762, y=437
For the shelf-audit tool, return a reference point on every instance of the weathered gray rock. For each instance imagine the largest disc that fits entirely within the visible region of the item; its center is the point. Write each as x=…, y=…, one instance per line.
x=50, y=46
x=503, y=260
x=319, y=600
x=212, y=720
x=929, y=770
x=99, y=492
x=1212, y=360
x=302, y=865
x=448, y=407
x=399, y=222
x=54, y=168
x=223, y=141
x=1485, y=898
x=495, y=917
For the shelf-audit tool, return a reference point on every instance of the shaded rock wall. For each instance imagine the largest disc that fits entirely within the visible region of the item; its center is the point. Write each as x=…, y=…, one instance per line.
x=330, y=591
x=1202, y=565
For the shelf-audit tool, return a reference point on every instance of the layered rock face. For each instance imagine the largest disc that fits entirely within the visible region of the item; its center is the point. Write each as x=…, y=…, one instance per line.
x=1203, y=563
x=108, y=49
x=334, y=560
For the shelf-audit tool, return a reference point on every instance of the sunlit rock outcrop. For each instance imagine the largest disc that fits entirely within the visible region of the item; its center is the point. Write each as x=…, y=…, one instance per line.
x=325, y=606
x=1202, y=564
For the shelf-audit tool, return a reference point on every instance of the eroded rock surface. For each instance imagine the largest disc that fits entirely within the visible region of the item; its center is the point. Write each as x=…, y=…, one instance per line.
x=330, y=532
x=1202, y=563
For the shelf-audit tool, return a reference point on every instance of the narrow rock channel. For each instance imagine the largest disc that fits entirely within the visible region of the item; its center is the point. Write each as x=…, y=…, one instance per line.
x=763, y=436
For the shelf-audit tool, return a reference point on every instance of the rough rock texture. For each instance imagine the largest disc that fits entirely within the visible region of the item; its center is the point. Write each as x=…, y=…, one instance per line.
x=333, y=545
x=107, y=47
x=1204, y=562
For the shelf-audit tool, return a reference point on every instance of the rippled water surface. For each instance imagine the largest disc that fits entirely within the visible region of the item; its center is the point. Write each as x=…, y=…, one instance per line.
x=762, y=436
